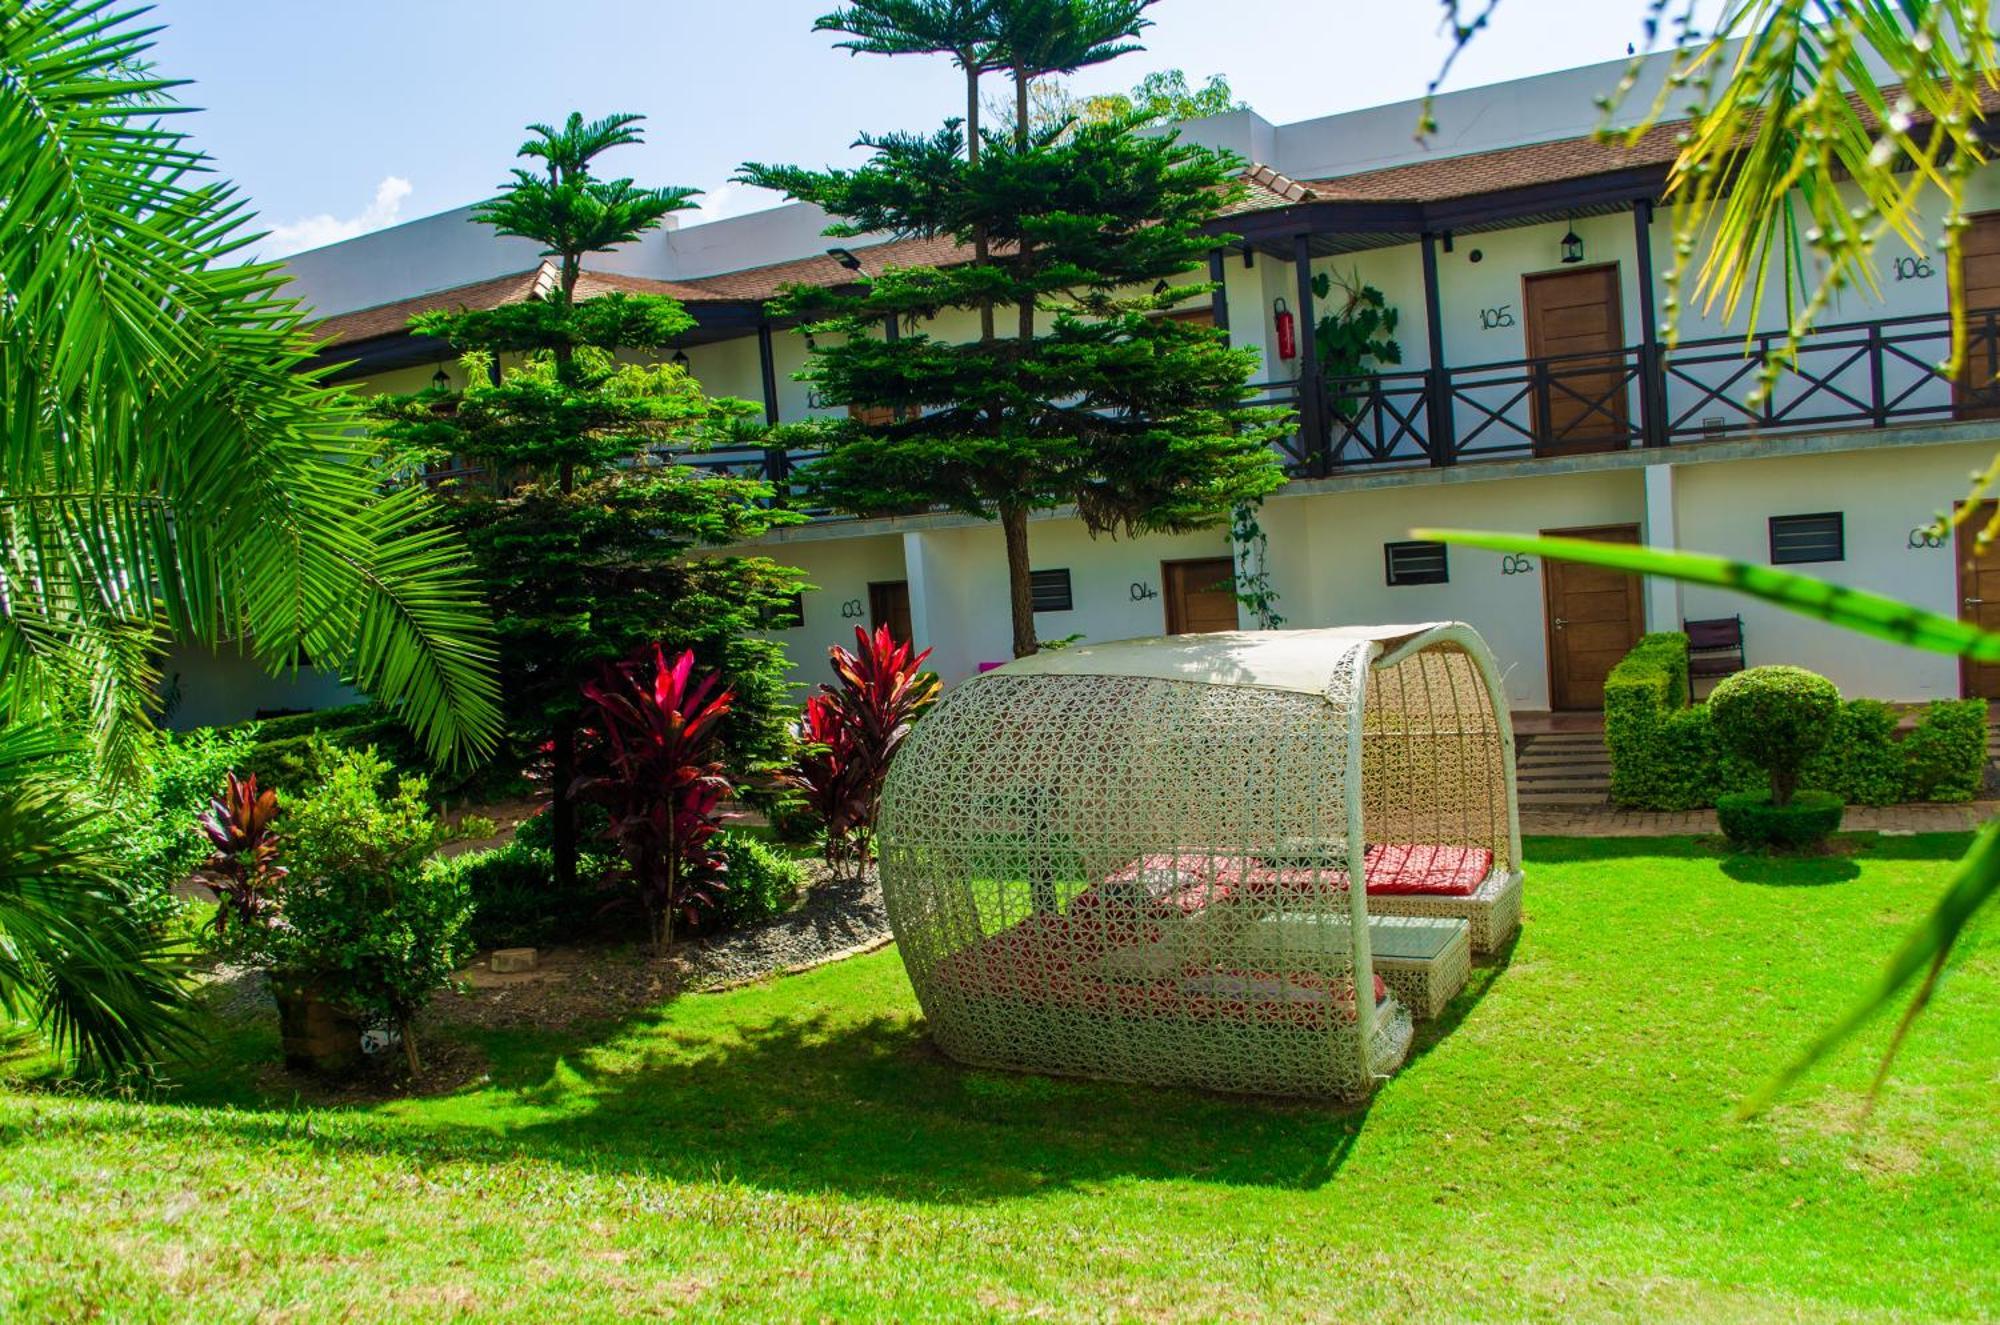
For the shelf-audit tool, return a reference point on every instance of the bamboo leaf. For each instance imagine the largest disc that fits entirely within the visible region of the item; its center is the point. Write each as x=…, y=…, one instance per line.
x=1975, y=882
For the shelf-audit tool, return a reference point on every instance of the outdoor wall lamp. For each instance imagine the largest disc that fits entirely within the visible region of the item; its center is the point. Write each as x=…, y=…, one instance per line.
x=680, y=358
x=845, y=257
x=440, y=380
x=1572, y=246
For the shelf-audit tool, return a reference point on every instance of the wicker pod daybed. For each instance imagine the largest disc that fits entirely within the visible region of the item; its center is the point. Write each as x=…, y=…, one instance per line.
x=1132, y=860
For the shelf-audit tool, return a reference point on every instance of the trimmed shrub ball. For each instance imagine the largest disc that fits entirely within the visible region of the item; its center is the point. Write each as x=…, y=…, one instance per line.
x=1750, y=820
x=1777, y=718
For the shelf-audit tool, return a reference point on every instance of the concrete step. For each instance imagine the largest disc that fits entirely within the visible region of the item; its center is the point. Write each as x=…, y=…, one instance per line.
x=1530, y=800
x=1538, y=760
x=1562, y=783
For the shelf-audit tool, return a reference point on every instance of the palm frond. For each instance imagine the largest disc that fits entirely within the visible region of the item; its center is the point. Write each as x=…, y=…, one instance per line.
x=167, y=462
x=104, y=989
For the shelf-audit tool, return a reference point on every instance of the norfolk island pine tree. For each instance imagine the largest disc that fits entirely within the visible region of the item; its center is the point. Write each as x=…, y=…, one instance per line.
x=1135, y=419
x=583, y=526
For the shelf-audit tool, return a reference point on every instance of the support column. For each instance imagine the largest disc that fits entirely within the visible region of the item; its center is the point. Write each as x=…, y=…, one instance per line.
x=1312, y=427
x=1437, y=380
x=1660, y=529
x=1219, y=307
x=1652, y=363
x=776, y=470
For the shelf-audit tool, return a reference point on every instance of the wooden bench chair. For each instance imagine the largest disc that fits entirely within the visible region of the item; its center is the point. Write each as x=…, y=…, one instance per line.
x=1715, y=650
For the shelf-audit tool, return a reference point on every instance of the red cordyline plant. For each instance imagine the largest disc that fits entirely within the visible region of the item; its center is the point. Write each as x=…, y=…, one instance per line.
x=851, y=733
x=240, y=826
x=652, y=728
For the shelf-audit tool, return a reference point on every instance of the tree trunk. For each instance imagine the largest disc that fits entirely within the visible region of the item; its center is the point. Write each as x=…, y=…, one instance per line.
x=1020, y=591
x=562, y=807
x=981, y=250
x=409, y=1046
x=1027, y=322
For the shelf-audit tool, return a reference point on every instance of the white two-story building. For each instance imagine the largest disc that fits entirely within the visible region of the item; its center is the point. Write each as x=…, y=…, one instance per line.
x=1536, y=393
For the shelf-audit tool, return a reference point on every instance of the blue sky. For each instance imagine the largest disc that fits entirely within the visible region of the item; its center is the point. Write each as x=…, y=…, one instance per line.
x=391, y=111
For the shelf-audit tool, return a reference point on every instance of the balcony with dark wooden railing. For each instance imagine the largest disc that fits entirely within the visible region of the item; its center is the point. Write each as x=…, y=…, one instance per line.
x=1855, y=375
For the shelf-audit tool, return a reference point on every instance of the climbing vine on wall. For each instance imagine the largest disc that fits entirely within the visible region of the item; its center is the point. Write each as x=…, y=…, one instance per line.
x=1253, y=576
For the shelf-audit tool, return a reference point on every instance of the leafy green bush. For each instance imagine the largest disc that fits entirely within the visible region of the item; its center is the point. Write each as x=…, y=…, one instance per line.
x=1777, y=718
x=282, y=753
x=515, y=902
x=363, y=918
x=761, y=881
x=1945, y=756
x=1665, y=756
x=158, y=836
x=1862, y=760
x=1749, y=819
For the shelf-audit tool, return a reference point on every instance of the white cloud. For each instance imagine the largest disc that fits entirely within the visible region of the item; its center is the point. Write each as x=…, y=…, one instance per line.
x=726, y=200
x=326, y=228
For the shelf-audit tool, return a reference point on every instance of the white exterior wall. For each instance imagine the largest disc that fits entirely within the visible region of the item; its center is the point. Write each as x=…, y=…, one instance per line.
x=212, y=687
x=1326, y=558
x=840, y=571
x=965, y=578
x=1883, y=494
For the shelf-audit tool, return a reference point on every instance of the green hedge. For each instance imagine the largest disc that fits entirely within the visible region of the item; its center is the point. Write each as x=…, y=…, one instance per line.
x=1665, y=754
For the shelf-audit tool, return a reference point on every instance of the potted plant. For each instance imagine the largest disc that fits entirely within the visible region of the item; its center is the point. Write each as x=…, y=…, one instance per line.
x=359, y=928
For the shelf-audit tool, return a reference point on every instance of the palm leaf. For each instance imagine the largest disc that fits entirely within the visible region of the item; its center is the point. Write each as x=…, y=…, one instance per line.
x=167, y=462
x=104, y=989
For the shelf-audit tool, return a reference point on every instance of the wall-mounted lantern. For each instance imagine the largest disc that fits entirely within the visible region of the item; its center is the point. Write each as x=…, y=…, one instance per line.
x=1572, y=244
x=440, y=380
x=680, y=358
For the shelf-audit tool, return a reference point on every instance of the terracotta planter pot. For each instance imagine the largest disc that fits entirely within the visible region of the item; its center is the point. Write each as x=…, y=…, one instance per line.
x=318, y=1035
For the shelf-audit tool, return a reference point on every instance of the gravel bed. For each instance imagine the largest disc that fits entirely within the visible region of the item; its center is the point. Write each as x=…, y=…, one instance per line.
x=837, y=917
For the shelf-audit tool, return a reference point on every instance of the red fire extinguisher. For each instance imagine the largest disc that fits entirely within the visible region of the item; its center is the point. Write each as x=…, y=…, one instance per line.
x=1288, y=338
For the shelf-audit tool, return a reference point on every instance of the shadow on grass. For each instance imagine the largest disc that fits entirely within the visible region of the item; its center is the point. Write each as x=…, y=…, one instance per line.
x=1853, y=847
x=1791, y=871
x=863, y=1106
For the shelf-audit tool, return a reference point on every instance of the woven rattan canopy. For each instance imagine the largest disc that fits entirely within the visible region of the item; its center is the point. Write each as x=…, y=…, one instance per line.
x=1133, y=860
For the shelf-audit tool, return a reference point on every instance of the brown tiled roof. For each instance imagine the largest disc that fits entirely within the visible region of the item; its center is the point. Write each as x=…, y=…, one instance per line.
x=1508, y=168
x=385, y=319
x=758, y=283
x=1266, y=189
x=516, y=287
x=1533, y=163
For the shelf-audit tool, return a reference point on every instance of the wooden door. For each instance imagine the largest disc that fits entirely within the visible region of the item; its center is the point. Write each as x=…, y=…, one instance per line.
x=1978, y=601
x=1976, y=394
x=1201, y=595
x=1577, y=404
x=1595, y=616
x=889, y=605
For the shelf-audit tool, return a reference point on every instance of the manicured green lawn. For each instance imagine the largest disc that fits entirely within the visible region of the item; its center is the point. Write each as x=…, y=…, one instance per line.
x=796, y=1149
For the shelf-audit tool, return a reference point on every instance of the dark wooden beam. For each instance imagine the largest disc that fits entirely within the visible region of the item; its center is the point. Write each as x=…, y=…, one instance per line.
x=1219, y=301
x=1312, y=429
x=767, y=366
x=1437, y=386
x=1652, y=366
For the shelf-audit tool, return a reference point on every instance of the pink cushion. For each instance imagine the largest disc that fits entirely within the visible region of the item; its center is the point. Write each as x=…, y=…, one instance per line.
x=1425, y=869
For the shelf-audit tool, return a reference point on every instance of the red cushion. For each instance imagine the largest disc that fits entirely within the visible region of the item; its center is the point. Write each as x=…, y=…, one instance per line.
x=1425, y=869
